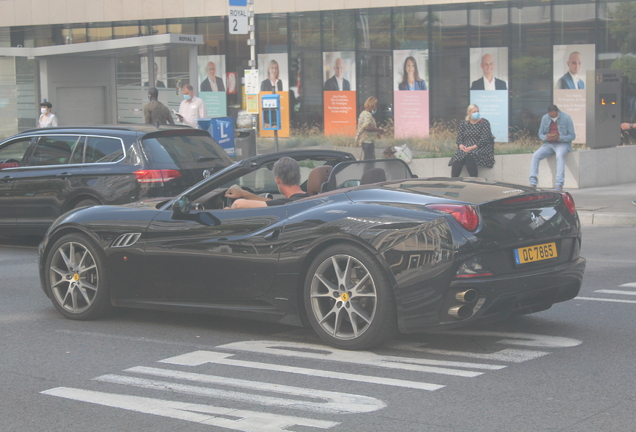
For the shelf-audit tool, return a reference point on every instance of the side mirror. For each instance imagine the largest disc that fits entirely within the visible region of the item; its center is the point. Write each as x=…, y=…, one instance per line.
x=182, y=205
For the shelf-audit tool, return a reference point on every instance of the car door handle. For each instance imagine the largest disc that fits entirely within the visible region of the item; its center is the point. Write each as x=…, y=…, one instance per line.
x=273, y=235
x=7, y=179
x=63, y=175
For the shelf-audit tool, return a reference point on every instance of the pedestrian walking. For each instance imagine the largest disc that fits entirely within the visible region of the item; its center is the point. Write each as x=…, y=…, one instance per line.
x=47, y=118
x=367, y=125
x=155, y=112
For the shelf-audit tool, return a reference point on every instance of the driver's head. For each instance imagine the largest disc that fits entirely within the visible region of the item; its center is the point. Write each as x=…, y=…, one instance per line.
x=288, y=171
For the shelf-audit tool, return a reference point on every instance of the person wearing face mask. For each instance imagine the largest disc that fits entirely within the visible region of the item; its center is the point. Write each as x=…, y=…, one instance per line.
x=557, y=133
x=47, y=118
x=191, y=108
x=366, y=125
x=475, y=144
x=155, y=112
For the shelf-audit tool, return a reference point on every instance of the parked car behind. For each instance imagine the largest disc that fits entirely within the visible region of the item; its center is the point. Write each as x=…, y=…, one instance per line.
x=46, y=172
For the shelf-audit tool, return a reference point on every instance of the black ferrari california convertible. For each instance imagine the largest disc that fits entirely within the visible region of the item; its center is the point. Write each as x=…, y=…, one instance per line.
x=373, y=250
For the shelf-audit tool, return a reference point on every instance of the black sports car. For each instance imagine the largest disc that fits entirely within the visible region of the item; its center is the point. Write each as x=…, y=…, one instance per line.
x=371, y=251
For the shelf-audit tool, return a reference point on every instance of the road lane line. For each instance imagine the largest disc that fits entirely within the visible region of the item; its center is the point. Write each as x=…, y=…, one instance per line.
x=605, y=300
x=321, y=352
x=336, y=402
x=629, y=285
x=607, y=291
x=198, y=358
x=506, y=355
x=523, y=339
x=240, y=420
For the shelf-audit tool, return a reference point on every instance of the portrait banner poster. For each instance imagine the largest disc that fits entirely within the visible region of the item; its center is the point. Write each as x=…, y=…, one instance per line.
x=411, y=114
x=410, y=85
x=410, y=70
x=215, y=103
x=339, y=97
x=489, y=68
x=273, y=72
x=339, y=69
x=493, y=106
x=571, y=63
x=212, y=85
x=284, y=114
x=340, y=113
x=489, y=87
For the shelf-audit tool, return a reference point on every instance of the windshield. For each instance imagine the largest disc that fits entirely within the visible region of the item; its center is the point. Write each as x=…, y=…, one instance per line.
x=263, y=180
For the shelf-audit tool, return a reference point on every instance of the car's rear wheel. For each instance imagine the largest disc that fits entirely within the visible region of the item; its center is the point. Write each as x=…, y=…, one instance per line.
x=76, y=278
x=348, y=299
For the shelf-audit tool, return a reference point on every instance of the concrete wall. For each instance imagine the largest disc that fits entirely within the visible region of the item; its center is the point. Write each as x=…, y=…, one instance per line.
x=38, y=12
x=583, y=168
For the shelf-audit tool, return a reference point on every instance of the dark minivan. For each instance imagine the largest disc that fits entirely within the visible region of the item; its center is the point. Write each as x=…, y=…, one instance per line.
x=47, y=172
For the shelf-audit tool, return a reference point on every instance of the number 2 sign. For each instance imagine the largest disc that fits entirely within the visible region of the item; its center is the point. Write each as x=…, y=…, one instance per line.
x=238, y=20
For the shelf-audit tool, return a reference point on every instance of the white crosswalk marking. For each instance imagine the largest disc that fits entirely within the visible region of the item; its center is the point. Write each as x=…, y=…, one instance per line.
x=614, y=292
x=273, y=396
x=506, y=355
x=198, y=358
x=523, y=339
x=341, y=403
x=319, y=352
x=240, y=420
x=609, y=300
x=607, y=291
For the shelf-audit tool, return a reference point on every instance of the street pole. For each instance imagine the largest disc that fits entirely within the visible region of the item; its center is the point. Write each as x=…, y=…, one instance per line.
x=252, y=43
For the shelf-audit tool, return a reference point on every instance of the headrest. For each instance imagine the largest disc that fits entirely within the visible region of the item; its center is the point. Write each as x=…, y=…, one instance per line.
x=374, y=175
x=316, y=178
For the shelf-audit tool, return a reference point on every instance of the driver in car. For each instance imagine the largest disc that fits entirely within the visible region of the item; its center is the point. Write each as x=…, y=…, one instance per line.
x=287, y=172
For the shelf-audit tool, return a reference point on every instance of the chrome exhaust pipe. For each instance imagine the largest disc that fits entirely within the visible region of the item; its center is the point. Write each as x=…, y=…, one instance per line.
x=460, y=311
x=467, y=296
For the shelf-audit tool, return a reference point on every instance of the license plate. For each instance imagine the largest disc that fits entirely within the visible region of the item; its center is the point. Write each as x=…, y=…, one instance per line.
x=535, y=253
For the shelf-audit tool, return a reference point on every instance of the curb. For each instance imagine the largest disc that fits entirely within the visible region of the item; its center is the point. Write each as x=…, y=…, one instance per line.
x=607, y=219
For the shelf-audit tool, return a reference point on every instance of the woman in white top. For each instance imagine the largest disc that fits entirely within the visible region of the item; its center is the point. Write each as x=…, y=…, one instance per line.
x=47, y=119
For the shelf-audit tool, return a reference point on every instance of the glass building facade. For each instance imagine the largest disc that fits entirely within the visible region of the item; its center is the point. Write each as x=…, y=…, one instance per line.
x=529, y=29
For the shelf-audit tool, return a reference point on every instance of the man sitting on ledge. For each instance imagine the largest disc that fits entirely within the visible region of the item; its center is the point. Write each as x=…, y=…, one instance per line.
x=557, y=133
x=287, y=172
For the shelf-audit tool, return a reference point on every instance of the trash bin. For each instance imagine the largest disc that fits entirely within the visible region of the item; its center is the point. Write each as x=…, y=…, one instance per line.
x=244, y=143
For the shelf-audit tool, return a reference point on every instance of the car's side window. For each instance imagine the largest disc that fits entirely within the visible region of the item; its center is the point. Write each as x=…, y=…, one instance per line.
x=53, y=150
x=102, y=149
x=11, y=154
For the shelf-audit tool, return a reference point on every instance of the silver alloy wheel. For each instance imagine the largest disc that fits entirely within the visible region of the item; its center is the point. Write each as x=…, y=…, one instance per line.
x=343, y=297
x=74, y=277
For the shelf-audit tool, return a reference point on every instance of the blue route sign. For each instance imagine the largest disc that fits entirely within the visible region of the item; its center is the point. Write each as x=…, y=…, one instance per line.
x=238, y=2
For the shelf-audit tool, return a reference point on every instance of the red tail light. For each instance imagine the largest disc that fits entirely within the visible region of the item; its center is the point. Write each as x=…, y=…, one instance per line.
x=569, y=202
x=151, y=176
x=464, y=214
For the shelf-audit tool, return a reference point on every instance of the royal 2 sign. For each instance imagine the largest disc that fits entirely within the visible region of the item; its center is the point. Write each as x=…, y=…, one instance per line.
x=238, y=17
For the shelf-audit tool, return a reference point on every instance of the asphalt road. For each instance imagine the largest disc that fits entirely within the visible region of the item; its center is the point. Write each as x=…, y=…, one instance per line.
x=566, y=369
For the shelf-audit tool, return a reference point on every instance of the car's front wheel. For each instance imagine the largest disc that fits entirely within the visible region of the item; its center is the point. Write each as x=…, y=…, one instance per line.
x=76, y=278
x=348, y=298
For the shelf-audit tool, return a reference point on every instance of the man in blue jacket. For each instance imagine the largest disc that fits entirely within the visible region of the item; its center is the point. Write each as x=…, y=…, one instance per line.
x=557, y=133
